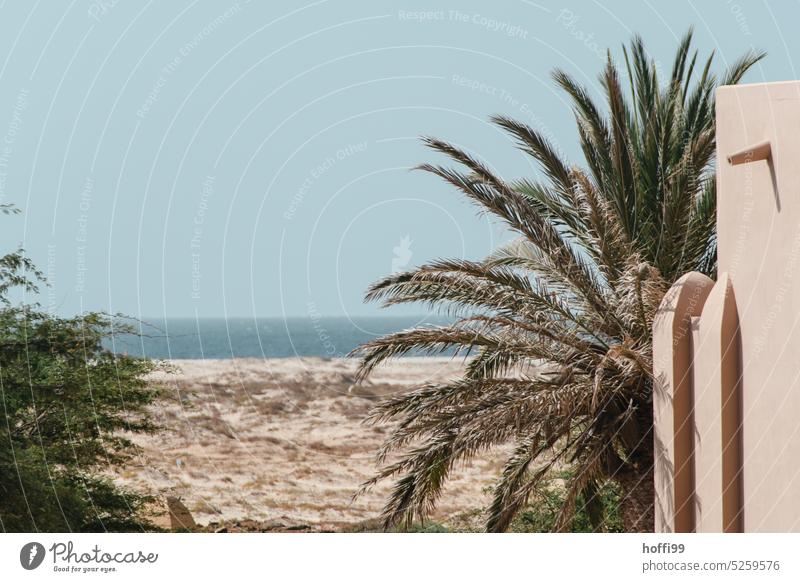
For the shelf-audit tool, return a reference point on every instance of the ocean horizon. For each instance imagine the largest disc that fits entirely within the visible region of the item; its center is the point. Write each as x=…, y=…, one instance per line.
x=263, y=337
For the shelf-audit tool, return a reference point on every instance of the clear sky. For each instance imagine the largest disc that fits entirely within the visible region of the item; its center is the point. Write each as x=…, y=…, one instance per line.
x=208, y=158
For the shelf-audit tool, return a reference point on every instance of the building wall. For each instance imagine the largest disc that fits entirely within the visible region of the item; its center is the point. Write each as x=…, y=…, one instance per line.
x=745, y=346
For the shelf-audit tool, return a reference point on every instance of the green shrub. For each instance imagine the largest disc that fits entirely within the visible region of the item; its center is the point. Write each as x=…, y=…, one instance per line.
x=67, y=404
x=599, y=513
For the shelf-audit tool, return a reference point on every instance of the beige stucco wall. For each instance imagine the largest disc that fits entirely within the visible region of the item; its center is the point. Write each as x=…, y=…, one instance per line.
x=717, y=412
x=759, y=246
x=673, y=402
x=743, y=351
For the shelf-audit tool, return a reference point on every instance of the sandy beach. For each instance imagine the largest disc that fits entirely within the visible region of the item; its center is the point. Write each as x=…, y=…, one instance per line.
x=281, y=442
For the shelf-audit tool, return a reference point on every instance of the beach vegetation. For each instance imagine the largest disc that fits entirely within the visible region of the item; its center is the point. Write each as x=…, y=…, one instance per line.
x=69, y=407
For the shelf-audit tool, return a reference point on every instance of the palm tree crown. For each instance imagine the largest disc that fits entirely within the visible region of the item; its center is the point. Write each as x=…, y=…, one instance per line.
x=558, y=321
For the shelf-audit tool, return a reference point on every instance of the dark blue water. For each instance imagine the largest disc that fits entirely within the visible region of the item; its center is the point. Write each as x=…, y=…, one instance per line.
x=328, y=337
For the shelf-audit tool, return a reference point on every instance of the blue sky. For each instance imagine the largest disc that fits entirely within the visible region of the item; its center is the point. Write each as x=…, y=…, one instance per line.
x=252, y=158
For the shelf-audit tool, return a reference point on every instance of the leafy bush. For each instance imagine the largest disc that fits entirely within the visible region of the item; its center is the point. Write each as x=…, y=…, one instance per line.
x=67, y=403
x=598, y=510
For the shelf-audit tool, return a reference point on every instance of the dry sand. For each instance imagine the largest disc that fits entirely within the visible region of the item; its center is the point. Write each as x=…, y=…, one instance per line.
x=282, y=441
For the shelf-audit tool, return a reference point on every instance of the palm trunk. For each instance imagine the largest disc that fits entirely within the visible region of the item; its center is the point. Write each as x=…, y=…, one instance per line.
x=636, y=479
x=638, y=496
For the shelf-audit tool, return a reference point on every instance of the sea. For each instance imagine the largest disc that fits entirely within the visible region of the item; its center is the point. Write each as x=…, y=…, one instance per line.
x=220, y=338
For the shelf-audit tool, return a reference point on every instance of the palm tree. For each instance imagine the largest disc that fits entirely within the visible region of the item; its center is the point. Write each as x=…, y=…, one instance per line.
x=558, y=322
